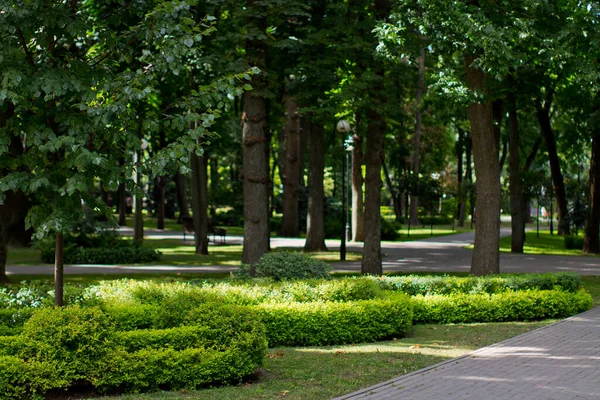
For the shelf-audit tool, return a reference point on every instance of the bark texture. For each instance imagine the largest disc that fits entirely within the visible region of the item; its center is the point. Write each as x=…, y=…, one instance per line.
x=543, y=115
x=358, y=206
x=591, y=241
x=315, y=223
x=291, y=175
x=371, y=261
x=485, y=259
x=517, y=203
x=199, y=182
x=182, y=202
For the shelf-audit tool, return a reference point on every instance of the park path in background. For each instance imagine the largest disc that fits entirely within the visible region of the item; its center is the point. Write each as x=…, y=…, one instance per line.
x=560, y=362
x=437, y=254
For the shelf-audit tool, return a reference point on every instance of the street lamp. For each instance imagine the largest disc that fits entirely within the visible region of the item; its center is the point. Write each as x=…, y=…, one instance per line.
x=343, y=126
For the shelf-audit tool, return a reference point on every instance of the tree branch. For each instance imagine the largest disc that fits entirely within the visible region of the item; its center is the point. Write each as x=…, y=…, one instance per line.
x=25, y=48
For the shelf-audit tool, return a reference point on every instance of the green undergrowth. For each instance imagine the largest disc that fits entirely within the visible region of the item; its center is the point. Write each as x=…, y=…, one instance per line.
x=545, y=244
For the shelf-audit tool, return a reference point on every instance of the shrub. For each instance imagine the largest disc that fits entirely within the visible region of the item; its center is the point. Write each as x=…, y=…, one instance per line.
x=573, y=242
x=13, y=378
x=289, y=265
x=445, y=285
x=509, y=306
x=389, y=229
x=313, y=324
x=66, y=344
x=437, y=220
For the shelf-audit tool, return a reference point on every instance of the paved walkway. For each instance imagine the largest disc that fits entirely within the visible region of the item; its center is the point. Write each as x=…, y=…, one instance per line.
x=559, y=361
x=441, y=254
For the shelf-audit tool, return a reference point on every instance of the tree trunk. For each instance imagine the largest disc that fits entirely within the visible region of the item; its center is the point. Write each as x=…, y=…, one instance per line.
x=591, y=241
x=485, y=155
x=122, y=205
x=528, y=163
x=315, y=222
x=138, y=218
x=543, y=115
x=214, y=182
x=160, y=206
x=358, y=213
x=371, y=261
x=469, y=192
x=182, y=201
x=291, y=179
x=517, y=206
x=59, y=268
x=461, y=193
x=199, y=188
x=414, y=200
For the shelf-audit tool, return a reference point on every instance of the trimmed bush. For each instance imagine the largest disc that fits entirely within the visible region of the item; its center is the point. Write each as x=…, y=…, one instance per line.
x=437, y=220
x=446, y=285
x=389, y=229
x=13, y=378
x=509, y=306
x=573, y=242
x=289, y=265
x=313, y=324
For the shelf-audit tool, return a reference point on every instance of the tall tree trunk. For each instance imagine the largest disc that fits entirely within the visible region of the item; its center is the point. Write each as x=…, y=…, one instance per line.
x=290, y=220
x=517, y=206
x=461, y=193
x=371, y=261
x=414, y=200
x=199, y=188
x=122, y=205
x=138, y=218
x=214, y=184
x=160, y=206
x=543, y=115
x=396, y=197
x=315, y=222
x=528, y=163
x=181, y=188
x=59, y=267
x=469, y=177
x=358, y=207
x=591, y=241
x=485, y=155
x=255, y=171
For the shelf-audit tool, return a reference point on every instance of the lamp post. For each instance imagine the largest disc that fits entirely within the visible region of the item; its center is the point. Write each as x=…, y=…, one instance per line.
x=343, y=126
x=138, y=230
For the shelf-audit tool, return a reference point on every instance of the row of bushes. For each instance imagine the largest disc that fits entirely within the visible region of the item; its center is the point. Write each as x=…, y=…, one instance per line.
x=62, y=347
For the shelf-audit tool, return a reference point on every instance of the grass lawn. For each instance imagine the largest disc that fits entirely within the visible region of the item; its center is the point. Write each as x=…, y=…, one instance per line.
x=545, y=244
x=418, y=232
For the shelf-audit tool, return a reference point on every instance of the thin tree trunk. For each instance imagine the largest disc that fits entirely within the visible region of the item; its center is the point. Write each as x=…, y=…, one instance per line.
x=290, y=221
x=358, y=207
x=461, y=197
x=138, y=218
x=214, y=182
x=517, y=206
x=160, y=207
x=59, y=267
x=469, y=177
x=371, y=261
x=315, y=222
x=122, y=205
x=182, y=201
x=543, y=115
x=485, y=155
x=528, y=163
x=396, y=197
x=591, y=241
x=414, y=200
x=199, y=188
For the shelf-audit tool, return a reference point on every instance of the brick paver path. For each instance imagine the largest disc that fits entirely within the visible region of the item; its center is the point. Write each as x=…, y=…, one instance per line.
x=559, y=361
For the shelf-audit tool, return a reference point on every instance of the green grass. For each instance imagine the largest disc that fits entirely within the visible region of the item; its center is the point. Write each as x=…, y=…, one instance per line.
x=419, y=233
x=545, y=244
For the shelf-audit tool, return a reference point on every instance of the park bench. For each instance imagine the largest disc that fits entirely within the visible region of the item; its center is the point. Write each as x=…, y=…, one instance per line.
x=188, y=227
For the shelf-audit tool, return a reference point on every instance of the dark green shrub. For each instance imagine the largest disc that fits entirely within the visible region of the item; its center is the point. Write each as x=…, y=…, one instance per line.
x=435, y=220
x=573, y=242
x=313, y=324
x=389, y=229
x=289, y=265
x=13, y=378
x=333, y=227
x=509, y=306
x=13, y=318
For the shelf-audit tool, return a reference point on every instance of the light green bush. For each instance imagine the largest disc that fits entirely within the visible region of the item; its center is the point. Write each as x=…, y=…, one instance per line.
x=509, y=306
x=289, y=265
x=312, y=324
x=13, y=378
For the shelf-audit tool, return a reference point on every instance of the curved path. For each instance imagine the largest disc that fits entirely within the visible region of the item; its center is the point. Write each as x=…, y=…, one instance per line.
x=438, y=254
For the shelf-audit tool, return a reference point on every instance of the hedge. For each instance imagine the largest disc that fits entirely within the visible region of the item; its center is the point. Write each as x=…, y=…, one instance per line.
x=509, y=306
x=60, y=347
x=313, y=324
x=446, y=285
